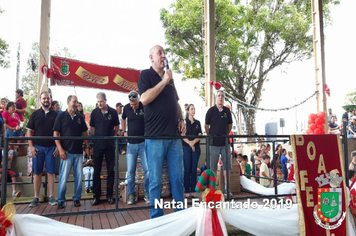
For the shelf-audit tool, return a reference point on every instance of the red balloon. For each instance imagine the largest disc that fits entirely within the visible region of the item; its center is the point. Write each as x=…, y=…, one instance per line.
x=322, y=120
x=318, y=120
x=312, y=127
x=320, y=126
x=312, y=116
x=310, y=121
x=322, y=131
x=321, y=114
x=309, y=131
x=317, y=131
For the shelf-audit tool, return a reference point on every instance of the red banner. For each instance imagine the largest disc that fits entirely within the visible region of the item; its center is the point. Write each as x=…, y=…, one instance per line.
x=71, y=72
x=320, y=183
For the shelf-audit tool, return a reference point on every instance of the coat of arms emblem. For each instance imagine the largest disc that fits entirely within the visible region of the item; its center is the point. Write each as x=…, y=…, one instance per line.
x=329, y=208
x=64, y=68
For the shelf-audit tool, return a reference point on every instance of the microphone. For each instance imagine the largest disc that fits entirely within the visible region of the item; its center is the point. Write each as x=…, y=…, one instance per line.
x=166, y=64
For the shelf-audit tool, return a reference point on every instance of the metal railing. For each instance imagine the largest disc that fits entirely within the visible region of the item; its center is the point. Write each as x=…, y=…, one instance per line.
x=278, y=139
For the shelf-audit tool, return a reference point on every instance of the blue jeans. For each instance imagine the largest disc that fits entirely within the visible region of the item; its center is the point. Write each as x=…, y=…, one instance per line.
x=75, y=160
x=133, y=150
x=88, y=173
x=285, y=173
x=190, y=159
x=158, y=150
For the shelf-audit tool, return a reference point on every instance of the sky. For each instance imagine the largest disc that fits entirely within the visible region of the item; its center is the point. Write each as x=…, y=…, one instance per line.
x=120, y=33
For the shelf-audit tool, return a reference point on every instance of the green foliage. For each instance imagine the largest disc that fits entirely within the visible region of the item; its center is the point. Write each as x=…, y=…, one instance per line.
x=88, y=108
x=30, y=80
x=4, y=51
x=250, y=41
x=31, y=102
x=350, y=98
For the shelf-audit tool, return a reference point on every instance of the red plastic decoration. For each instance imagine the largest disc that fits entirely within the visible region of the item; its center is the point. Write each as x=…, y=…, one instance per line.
x=327, y=89
x=217, y=85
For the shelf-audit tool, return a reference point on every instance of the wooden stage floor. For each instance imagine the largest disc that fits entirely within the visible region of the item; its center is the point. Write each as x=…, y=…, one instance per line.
x=107, y=220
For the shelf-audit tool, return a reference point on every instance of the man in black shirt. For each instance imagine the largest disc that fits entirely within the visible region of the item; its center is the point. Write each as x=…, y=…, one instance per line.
x=70, y=123
x=41, y=124
x=133, y=112
x=103, y=122
x=218, y=122
x=163, y=117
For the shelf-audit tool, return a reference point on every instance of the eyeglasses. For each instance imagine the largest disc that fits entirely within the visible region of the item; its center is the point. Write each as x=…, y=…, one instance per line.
x=132, y=96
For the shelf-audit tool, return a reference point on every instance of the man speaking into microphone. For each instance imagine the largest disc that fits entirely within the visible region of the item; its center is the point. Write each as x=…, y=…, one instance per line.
x=163, y=117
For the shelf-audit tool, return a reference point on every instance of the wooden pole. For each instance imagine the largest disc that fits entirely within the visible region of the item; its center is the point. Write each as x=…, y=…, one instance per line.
x=44, y=46
x=209, y=57
x=319, y=57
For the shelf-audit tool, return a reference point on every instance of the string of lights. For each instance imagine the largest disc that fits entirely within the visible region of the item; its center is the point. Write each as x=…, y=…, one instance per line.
x=249, y=106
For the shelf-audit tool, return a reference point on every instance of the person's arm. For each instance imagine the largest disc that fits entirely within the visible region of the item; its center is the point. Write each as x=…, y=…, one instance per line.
x=150, y=94
x=351, y=166
x=92, y=129
x=87, y=146
x=207, y=129
x=62, y=152
x=30, y=143
x=123, y=125
x=181, y=123
x=22, y=110
x=116, y=129
x=230, y=127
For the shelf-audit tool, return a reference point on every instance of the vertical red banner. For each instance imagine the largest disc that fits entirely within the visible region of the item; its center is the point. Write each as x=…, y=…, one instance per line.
x=320, y=184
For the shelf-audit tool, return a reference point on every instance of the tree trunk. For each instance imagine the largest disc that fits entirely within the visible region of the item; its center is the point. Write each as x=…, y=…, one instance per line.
x=250, y=118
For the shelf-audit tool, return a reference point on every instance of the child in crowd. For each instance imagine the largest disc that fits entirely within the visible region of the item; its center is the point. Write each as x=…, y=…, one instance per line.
x=279, y=173
x=13, y=152
x=88, y=171
x=290, y=166
x=241, y=163
x=264, y=172
x=284, y=161
x=247, y=166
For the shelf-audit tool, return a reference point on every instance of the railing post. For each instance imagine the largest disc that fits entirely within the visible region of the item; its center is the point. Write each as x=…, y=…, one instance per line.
x=228, y=158
x=4, y=172
x=274, y=166
x=346, y=154
x=207, y=140
x=116, y=173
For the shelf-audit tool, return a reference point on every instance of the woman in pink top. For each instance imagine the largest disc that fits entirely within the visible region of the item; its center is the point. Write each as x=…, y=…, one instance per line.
x=12, y=121
x=3, y=105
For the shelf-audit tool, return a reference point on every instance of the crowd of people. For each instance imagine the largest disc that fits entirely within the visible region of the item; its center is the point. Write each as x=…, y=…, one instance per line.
x=335, y=128
x=154, y=112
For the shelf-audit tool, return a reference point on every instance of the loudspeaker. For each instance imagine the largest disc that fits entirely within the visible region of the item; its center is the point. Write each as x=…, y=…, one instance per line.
x=282, y=122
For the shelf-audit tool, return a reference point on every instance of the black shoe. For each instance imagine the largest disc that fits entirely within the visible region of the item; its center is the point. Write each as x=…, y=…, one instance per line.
x=95, y=202
x=111, y=200
x=87, y=190
x=77, y=203
x=91, y=189
x=60, y=205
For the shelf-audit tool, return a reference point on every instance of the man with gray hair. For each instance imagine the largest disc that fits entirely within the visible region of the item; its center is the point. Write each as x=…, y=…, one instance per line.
x=104, y=122
x=218, y=122
x=133, y=112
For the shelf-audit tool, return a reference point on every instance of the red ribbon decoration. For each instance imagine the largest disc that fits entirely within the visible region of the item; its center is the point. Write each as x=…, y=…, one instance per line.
x=49, y=71
x=217, y=85
x=327, y=89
